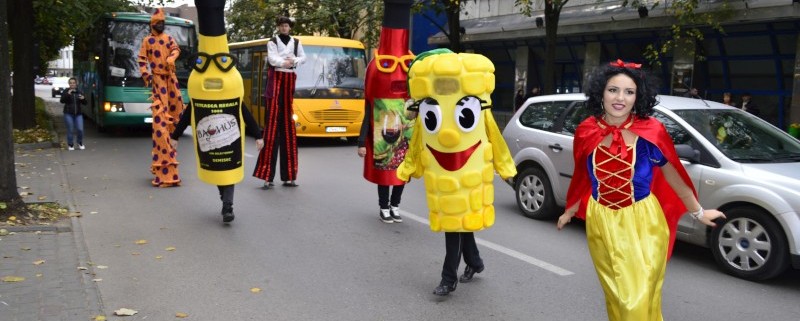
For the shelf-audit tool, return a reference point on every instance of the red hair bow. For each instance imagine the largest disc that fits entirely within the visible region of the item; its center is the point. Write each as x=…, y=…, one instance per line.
x=621, y=64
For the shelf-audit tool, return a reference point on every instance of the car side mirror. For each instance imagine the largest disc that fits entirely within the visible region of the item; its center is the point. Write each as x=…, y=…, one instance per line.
x=688, y=153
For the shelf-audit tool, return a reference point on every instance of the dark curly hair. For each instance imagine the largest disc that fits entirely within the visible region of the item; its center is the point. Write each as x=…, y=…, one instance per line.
x=646, y=89
x=282, y=20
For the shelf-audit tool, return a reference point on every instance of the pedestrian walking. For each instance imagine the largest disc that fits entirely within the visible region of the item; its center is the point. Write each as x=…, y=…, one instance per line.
x=457, y=146
x=284, y=54
x=748, y=105
x=72, y=99
x=387, y=125
x=631, y=189
x=157, y=65
x=727, y=100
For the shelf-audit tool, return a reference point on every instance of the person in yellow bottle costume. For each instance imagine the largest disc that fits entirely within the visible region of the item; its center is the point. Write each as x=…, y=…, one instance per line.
x=456, y=146
x=216, y=111
x=157, y=65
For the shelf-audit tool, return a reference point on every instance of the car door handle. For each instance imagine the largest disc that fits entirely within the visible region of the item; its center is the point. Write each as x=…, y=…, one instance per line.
x=556, y=147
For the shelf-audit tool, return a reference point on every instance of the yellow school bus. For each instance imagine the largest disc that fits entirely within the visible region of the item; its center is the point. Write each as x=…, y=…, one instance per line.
x=329, y=93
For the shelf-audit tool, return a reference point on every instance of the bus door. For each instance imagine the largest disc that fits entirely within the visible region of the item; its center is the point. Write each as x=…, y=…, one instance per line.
x=259, y=80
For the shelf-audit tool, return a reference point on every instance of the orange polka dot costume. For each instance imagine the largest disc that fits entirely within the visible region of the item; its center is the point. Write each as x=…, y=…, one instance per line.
x=157, y=64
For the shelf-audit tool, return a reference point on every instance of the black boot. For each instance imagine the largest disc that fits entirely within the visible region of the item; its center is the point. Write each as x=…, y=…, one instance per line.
x=444, y=288
x=227, y=213
x=469, y=272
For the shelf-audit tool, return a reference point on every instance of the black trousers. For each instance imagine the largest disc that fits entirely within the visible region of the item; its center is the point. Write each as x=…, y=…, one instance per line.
x=226, y=195
x=384, y=201
x=458, y=243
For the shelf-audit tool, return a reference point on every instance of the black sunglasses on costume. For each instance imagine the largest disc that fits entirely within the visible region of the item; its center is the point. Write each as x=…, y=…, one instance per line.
x=224, y=61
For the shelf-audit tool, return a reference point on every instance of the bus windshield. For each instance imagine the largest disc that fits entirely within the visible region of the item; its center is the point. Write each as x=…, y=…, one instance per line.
x=331, y=73
x=124, y=40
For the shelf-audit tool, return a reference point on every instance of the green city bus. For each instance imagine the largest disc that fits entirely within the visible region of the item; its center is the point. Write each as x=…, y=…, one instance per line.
x=109, y=75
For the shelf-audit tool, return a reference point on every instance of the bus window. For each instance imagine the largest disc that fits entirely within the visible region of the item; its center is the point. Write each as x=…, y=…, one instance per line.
x=331, y=72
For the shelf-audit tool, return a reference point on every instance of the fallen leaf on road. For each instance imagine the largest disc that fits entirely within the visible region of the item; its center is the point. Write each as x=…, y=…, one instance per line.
x=12, y=218
x=159, y=257
x=97, y=280
x=82, y=268
x=38, y=262
x=99, y=318
x=135, y=253
x=255, y=290
x=75, y=214
x=171, y=248
x=125, y=312
x=24, y=187
x=25, y=249
x=93, y=212
x=25, y=193
x=141, y=242
x=102, y=267
x=38, y=275
x=181, y=315
x=11, y=278
x=42, y=198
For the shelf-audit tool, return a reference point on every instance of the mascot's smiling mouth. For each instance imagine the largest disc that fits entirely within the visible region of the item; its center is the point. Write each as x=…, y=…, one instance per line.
x=453, y=161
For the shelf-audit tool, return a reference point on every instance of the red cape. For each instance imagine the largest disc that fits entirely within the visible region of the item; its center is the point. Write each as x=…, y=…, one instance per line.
x=588, y=136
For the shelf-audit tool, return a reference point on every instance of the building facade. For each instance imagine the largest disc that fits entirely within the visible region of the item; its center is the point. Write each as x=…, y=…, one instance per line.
x=756, y=54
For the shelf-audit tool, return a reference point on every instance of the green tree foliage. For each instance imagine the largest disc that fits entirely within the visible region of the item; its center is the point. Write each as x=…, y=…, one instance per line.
x=255, y=19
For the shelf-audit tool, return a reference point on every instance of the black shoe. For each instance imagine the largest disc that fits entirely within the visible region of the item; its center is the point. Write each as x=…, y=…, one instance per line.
x=395, y=213
x=290, y=184
x=469, y=272
x=385, y=216
x=267, y=185
x=444, y=289
x=227, y=214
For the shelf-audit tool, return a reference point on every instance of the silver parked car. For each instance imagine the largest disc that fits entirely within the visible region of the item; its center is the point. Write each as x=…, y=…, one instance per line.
x=739, y=164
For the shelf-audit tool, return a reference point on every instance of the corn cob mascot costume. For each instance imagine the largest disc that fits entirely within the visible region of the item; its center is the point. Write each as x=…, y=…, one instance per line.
x=387, y=126
x=456, y=146
x=216, y=111
x=157, y=65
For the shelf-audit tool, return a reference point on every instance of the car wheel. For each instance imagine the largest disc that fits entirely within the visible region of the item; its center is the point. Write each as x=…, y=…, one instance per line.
x=750, y=245
x=534, y=194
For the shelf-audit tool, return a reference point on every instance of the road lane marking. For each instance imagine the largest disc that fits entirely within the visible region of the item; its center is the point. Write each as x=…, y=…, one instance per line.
x=502, y=249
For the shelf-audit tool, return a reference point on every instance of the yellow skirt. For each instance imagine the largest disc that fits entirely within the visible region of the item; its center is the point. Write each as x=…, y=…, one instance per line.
x=629, y=251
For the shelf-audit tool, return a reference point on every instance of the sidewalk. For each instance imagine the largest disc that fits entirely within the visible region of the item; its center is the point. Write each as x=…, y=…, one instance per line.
x=54, y=289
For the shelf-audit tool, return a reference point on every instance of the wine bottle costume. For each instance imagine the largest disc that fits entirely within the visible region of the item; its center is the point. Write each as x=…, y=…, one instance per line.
x=387, y=127
x=631, y=212
x=216, y=111
x=456, y=146
x=157, y=65
x=279, y=132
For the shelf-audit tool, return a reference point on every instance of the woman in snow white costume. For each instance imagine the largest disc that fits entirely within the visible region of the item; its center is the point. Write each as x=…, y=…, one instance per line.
x=631, y=189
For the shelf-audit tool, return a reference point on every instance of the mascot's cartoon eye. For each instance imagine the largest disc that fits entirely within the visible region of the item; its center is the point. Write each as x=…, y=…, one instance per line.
x=467, y=112
x=431, y=115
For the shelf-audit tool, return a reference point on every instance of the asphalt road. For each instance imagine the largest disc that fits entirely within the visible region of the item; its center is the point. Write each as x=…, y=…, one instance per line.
x=319, y=252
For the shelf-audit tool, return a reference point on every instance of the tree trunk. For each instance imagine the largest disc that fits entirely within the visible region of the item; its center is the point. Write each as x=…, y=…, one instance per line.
x=551, y=16
x=8, y=177
x=454, y=26
x=20, y=14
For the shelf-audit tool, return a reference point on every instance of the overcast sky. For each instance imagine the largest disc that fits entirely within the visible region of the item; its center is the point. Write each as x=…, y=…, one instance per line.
x=176, y=3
